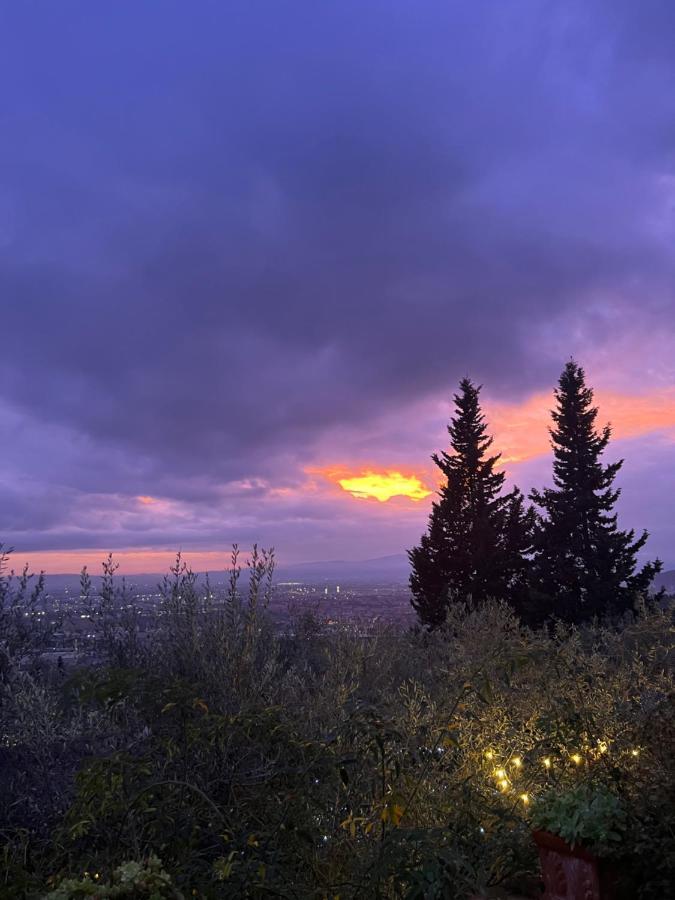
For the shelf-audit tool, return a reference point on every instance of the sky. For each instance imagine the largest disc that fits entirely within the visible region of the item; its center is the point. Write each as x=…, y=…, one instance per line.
x=248, y=249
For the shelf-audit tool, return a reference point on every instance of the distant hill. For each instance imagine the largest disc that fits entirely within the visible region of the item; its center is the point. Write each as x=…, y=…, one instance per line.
x=395, y=568
x=666, y=580
x=384, y=569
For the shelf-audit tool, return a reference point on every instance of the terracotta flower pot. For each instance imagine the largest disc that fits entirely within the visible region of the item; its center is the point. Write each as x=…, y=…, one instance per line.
x=573, y=873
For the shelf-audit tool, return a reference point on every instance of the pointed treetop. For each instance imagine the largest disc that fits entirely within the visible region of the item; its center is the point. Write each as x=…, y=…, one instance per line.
x=476, y=537
x=584, y=564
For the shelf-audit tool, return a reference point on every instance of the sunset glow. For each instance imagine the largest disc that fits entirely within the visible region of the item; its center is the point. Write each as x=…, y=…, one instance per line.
x=384, y=485
x=131, y=562
x=520, y=429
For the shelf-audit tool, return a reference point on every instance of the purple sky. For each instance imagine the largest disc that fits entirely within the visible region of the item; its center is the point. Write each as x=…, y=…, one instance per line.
x=243, y=245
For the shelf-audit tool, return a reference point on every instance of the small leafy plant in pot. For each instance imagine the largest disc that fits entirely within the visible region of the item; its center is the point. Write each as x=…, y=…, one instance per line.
x=581, y=837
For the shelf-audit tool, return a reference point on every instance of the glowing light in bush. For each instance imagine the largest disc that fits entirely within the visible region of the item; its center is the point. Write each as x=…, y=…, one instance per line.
x=547, y=762
x=525, y=798
x=576, y=759
x=517, y=762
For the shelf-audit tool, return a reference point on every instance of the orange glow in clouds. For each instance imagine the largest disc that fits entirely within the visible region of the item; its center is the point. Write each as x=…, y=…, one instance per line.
x=520, y=433
x=520, y=429
x=381, y=486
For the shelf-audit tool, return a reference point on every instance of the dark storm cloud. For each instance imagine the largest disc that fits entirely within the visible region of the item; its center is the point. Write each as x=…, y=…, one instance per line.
x=227, y=228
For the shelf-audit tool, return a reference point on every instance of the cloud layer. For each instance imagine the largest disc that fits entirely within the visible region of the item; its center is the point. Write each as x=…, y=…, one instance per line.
x=260, y=239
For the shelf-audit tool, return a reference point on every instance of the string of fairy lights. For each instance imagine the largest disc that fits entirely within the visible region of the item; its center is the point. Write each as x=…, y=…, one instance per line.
x=508, y=767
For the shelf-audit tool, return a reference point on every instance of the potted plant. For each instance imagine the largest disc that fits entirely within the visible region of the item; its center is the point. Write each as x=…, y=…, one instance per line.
x=581, y=837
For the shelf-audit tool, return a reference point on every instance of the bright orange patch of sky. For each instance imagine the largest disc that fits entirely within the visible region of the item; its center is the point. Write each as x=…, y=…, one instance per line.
x=383, y=485
x=520, y=429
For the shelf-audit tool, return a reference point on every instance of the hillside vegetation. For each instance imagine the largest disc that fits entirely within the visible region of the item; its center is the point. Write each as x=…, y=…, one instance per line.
x=222, y=759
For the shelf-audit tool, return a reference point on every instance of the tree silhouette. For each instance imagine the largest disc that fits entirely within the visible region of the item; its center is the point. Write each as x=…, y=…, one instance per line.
x=583, y=564
x=477, y=537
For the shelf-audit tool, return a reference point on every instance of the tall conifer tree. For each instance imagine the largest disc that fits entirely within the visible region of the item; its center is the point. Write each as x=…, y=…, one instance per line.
x=583, y=564
x=477, y=537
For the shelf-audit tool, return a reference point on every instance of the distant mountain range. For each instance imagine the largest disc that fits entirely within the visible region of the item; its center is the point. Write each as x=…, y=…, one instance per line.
x=390, y=569
x=393, y=569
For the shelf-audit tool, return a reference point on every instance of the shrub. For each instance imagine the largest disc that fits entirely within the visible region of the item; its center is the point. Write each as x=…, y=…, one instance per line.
x=133, y=880
x=593, y=817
